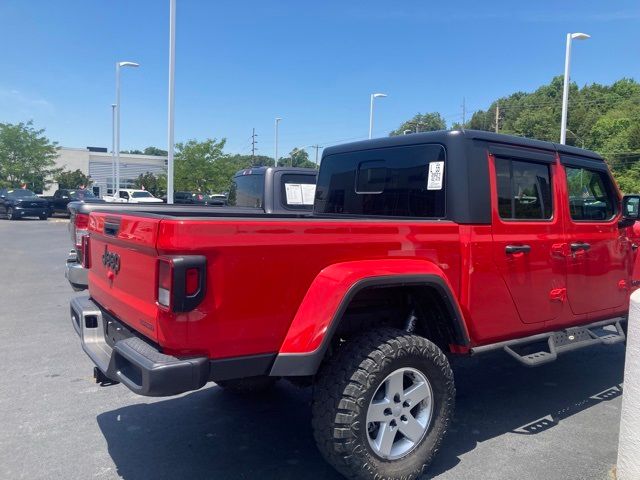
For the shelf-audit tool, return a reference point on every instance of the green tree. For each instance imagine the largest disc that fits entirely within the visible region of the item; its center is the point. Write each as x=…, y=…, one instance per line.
x=297, y=158
x=203, y=166
x=156, y=184
x=428, y=122
x=27, y=156
x=73, y=179
x=155, y=151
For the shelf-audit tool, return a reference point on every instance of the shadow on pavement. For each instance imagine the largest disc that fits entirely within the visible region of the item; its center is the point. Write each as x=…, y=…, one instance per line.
x=215, y=434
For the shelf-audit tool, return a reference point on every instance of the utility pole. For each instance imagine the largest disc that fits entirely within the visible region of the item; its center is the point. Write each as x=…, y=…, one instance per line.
x=497, y=117
x=317, y=147
x=253, y=146
x=464, y=112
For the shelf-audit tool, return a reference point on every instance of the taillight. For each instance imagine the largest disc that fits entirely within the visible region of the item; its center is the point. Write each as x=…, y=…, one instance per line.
x=81, y=230
x=86, y=252
x=165, y=279
x=181, y=282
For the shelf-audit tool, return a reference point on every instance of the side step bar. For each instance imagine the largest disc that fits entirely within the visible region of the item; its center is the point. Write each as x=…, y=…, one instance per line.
x=544, y=348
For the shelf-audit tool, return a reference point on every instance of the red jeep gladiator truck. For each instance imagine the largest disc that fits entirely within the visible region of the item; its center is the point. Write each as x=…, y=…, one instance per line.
x=419, y=247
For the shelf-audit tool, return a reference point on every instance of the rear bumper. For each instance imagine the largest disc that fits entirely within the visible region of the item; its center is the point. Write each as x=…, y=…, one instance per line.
x=140, y=366
x=76, y=273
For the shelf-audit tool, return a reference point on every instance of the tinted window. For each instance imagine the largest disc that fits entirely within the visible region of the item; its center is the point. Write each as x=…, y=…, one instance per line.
x=247, y=191
x=524, y=190
x=81, y=194
x=590, y=194
x=384, y=182
x=21, y=193
x=141, y=195
x=124, y=195
x=298, y=191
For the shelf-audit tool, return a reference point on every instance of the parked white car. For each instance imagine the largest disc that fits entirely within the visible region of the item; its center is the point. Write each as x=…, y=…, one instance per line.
x=128, y=195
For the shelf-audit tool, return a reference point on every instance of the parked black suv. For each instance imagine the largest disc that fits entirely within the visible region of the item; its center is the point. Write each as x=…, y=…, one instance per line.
x=20, y=202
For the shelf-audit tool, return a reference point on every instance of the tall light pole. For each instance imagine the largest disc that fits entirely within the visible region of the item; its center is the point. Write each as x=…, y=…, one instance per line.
x=119, y=65
x=113, y=148
x=171, y=108
x=565, y=90
x=275, y=156
x=373, y=95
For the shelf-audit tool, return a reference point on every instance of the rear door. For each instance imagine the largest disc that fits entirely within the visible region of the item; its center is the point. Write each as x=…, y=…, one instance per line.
x=599, y=261
x=528, y=231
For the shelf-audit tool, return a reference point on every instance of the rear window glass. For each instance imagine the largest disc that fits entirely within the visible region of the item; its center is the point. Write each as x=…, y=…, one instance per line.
x=247, y=191
x=395, y=182
x=298, y=191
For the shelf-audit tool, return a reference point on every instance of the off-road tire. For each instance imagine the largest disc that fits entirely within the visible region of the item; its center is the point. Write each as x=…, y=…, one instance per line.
x=249, y=385
x=343, y=391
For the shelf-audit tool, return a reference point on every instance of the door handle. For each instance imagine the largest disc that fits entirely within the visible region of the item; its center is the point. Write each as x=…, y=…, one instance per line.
x=511, y=249
x=580, y=246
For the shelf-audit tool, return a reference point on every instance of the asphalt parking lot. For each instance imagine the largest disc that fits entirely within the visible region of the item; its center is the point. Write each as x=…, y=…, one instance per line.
x=558, y=421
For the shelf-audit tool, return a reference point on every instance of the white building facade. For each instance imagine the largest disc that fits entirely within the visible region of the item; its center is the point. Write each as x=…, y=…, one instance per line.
x=97, y=163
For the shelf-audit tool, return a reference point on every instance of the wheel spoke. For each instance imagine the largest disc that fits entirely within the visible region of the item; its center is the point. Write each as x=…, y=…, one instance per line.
x=386, y=437
x=417, y=393
x=376, y=411
x=395, y=384
x=411, y=428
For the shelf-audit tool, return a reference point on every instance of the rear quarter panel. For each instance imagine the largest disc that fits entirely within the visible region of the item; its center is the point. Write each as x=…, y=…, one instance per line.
x=260, y=270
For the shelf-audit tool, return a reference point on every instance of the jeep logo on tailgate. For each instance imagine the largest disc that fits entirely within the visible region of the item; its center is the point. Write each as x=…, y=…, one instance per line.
x=111, y=260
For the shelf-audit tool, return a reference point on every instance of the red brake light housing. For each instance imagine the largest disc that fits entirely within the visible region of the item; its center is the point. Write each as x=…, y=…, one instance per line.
x=86, y=255
x=80, y=230
x=181, y=282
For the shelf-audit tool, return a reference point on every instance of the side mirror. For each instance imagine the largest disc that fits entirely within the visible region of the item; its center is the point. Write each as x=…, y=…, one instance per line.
x=630, y=210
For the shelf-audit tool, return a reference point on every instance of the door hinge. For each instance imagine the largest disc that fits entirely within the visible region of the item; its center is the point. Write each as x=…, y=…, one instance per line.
x=558, y=294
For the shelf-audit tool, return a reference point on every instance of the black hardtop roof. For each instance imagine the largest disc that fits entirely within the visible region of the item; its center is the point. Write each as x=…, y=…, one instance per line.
x=450, y=136
x=263, y=170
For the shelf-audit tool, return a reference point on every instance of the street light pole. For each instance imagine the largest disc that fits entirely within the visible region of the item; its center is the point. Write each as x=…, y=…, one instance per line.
x=565, y=90
x=171, y=108
x=113, y=148
x=373, y=95
x=117, y=122
x=275, y=156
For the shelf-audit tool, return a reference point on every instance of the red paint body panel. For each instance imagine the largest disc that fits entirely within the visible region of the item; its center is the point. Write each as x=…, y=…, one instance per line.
x=332, y=284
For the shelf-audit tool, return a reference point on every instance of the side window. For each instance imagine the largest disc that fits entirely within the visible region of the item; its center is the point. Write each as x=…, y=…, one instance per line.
x=247, y=191
x=391, y=182
x=524, y=190
x=590, y=195
x=124, y=195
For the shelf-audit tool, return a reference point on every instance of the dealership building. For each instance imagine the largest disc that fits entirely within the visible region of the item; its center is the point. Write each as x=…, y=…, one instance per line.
x=97, y=163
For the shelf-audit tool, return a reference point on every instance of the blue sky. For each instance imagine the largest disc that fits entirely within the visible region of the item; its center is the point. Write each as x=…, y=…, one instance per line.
x=240, y=64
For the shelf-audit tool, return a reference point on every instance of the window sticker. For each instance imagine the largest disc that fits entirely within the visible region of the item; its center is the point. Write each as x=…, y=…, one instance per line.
x=294, y=193
x=308, y=193
x=436, y=174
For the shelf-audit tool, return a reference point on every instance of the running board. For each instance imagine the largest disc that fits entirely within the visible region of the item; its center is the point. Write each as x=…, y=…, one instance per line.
x=545, y=347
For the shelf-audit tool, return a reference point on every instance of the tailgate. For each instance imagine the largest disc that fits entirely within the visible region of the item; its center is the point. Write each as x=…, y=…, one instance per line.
x=122, y=271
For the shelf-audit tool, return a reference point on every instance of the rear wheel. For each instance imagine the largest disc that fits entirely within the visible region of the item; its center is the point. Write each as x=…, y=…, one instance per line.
x=382, y=405
x=249, y=385
x=44, y=217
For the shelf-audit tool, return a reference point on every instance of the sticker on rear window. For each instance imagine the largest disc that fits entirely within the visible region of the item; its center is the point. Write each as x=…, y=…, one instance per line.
x=300, y=193
x=294, y=193
x=436, y=174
